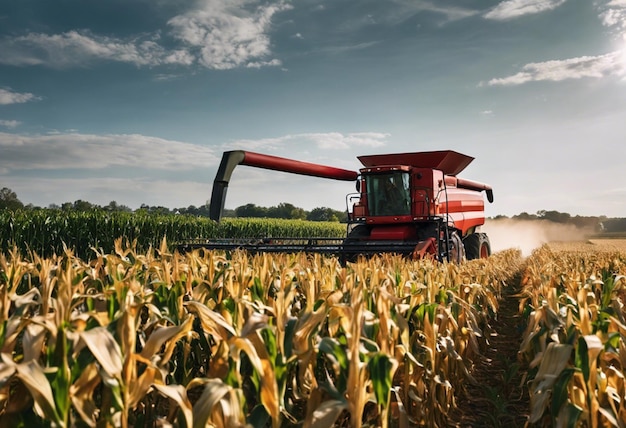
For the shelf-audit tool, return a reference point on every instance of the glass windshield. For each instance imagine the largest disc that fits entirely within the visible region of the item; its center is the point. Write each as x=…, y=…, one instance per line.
x=388, y=194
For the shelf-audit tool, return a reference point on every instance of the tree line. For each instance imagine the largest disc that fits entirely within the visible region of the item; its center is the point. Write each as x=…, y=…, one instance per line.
x=9, y=200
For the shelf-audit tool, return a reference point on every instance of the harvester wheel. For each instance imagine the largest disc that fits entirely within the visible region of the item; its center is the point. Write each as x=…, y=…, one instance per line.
x=477, y=246
x=456, y=253
x=358, y=233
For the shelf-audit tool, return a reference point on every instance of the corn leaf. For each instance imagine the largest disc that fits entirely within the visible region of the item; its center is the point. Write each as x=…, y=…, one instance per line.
x=327, y=413
x=555, y=359
x=178, y=394
x=105, y=349
x=82, y=392
x=33, y=377
x=214, y=391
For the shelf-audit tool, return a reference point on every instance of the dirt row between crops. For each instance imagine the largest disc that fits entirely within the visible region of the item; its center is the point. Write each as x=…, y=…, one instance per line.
x=498, y=397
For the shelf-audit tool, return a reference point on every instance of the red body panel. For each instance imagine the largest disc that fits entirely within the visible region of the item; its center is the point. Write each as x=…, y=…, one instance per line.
x=447, y=161
x=393, y=233
x=466, y=208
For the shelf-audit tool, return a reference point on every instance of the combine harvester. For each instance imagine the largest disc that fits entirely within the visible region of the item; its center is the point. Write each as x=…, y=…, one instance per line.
x=411, y=204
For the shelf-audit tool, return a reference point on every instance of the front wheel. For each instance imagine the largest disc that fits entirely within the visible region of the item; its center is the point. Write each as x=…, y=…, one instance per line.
x=477, y=246
x=456, y=250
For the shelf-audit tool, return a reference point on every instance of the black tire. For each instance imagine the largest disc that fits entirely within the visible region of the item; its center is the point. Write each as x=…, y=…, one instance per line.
x=456, y=252
x=358, y=233
x=477, y=246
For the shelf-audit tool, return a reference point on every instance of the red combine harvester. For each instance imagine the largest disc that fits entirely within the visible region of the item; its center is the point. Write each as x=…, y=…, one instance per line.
x=406, y=203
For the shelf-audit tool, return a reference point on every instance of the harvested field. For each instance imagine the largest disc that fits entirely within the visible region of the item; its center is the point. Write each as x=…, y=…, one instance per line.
x=591, y=245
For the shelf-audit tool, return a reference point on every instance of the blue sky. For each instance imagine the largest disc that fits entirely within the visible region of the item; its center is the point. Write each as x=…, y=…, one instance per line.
x=135, y=100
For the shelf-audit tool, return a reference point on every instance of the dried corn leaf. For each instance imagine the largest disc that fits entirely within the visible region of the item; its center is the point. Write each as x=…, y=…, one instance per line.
x=33, y=377
x=165, y=334
x=555, y=359
x=326, y=414
x=212, y=322
x=178, y=394
x=214, y=391
x=105, y=349
x=82, y=391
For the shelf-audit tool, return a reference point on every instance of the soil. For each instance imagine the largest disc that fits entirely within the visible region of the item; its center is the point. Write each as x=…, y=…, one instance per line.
x=498, y=398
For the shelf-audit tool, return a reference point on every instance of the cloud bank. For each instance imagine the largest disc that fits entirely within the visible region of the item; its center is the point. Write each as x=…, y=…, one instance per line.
x=85, y=151
x=216, y=34
x=612, y=15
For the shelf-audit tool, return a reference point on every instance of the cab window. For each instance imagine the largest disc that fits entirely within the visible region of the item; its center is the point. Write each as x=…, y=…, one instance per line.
x=388, y=194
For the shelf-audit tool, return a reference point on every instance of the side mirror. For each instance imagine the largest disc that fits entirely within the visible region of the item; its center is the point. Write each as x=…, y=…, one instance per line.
x=490, y=195
x=358, y=184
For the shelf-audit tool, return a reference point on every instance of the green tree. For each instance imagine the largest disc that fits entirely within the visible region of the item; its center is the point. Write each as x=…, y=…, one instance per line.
x=9, y=200
x=80, y=205
x=323, y=214
x=286, y=210
x=250, y=210
x=115, y=207
x=554, y=216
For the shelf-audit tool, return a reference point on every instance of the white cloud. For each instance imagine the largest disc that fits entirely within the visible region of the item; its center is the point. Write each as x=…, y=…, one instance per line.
x=9, y=123
x=259, y=64
x=573, y=68
x=451, y=13
x=613, y=15
x=76, y=48
x=84, y=151
x=336, y=140
x=322, y=140
x=515, y=8
x=226, y=34
x=10, y=97
x=217, y=34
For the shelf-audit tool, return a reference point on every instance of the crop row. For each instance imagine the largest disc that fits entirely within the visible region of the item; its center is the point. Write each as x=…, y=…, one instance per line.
x=575, y=341
x=48, y=232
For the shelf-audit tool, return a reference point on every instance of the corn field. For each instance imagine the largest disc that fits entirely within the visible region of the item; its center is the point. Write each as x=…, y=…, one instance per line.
x=130, y=339
x=575, y=340
x=48, y=232
x=151, y=337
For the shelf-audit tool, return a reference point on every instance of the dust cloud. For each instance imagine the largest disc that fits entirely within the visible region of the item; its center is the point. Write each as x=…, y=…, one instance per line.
x=527, y=235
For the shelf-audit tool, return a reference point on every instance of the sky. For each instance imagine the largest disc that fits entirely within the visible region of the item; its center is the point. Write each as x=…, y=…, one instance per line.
x=135, y=101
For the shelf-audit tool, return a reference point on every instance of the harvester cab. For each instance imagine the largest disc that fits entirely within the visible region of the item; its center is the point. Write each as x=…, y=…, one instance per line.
x=416, y=199
x=406, y=203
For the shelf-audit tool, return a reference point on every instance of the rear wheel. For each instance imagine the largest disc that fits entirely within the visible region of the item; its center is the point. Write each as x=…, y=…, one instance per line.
x=477, y=246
